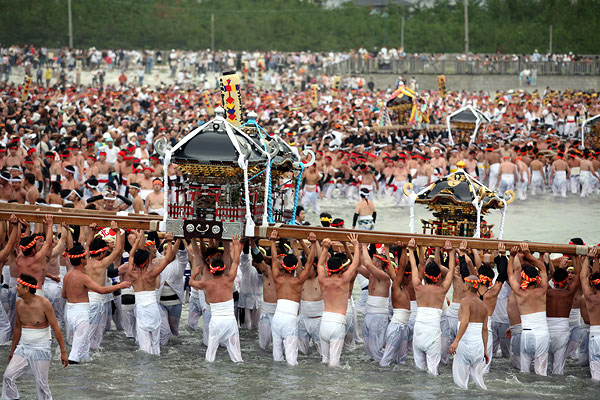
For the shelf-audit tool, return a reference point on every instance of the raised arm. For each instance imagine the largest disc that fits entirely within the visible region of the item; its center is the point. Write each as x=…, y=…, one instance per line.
x=117, y=250
x=416, y=280
x=451, y=264
x=167, y=259
x=325, y=244
x=574, y=285
x=235, y=258
x=584, y=276
x=307, y=272
x=274, y=258
x=368, y=263
x=40, y=256
x=512, y=279
x=12, y=238
x=351, y=271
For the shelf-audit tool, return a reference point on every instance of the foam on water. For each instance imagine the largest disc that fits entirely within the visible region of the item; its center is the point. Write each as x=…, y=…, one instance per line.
x=119, y=371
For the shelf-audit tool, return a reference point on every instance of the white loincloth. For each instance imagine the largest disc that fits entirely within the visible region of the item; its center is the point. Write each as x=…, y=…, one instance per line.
x=396, y=338
x=469, y=358
x=332, y=332
x=284, y=328
x=427, y=339
x=223, y=330
x=515, y=345
x=98, y=317
x=375, y=326
x=493, y=177
x=148, y=320
x=34, y=351
x=366, y=223
x=128, y=315
x=309, y=324
x=594, y=351
x=145, y=192
x=535, y=342
x=264, y=324
x=558, y=329
x=77, y=317
x=159, y=211
x=559, y=183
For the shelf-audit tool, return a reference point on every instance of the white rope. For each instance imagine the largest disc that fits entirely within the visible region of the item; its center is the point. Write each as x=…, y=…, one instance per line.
x=243, y=163
x=501, y=233
x=265, y=218
x=166, y=187
x=478, y=205
x=411, y=201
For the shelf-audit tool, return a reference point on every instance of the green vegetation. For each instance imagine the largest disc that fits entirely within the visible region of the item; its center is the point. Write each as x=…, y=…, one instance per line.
x=508, y=26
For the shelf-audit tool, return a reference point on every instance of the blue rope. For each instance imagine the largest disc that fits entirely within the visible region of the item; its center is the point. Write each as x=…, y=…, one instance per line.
x=270, y=218
x=284, y=183
x=298, y=182
x=257, y=174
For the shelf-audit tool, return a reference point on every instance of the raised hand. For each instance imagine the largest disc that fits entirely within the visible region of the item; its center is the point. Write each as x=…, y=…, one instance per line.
x=524, y=248
x=353, y=237
x=501, y=248
x=463, y=246
x=169, y=236
x=326, y=243
x=593, y=252
x=13, y=219
x=114, y=226
x=400, y=243
x=412, y=244
x=49, y=220
x=447, y=246
x=312, y=237
x=514, y=250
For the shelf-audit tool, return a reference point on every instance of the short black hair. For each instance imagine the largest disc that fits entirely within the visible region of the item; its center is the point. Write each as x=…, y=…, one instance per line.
x=217, y=263
x=432, y=269
x=140, y=257
x=596, y=275
x=334, y=263
x=26, y=241
x=531, y=272
x=29, y=279
x=290, y=261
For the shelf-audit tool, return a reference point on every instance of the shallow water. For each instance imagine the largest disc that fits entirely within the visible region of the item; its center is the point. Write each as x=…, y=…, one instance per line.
x=119, y=371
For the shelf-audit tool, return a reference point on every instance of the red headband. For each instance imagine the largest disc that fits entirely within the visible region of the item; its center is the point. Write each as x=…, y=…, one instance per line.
x=30, y=245
x=475, y=282
x=485, y=280
x=217, y=269
x=93, y=252
x=149, y=243
x=72, y=256
x=527, y=280
x=27, y=284
x=433, y=278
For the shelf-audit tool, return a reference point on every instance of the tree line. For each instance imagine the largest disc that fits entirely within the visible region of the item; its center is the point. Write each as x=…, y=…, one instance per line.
x=507, y=26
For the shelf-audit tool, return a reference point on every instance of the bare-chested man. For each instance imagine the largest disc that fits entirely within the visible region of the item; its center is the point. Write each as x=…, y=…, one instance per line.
x=155, y=200
x=269, y=302
x=530, y=292
x=558, y=177
x=310, y=188
x=223, y=327
x=365, y=212
x=32, y=260
x=311, y=303
x=590, y=285
x=76, y=285
x=397, y=333
x=32, y=340
x=104, y=170
x=508, y=176
x=284, y=325
x=18, y=194
x=98, y=261
x=145, y=280
x=588, y=178
x=334, y=276
x=493, y=160
x=430, y=299
x=138, y=202
x=470, y=346
x=538, y=175
x=559, y=301
x=524, y=177
x=376, y=315
x=400, y=177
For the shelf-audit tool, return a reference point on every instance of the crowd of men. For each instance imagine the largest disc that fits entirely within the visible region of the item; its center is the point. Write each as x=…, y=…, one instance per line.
x=299, y=295
x=94, y=148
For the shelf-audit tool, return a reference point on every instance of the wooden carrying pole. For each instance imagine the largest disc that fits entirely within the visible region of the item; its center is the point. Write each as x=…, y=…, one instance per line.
x=341, y=235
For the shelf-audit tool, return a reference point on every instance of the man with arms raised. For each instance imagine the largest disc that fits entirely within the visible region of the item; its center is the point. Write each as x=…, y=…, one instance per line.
x=531, y=298
x=470, y=346
x=590, y=286
x=284, y=325
x=223, y=327
x=427, y=334
x=98, y=261
x=32, y=261
x=335, y=283
x=35, y=317
x=145, y=280
x=76, y=285
x=559, y=301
